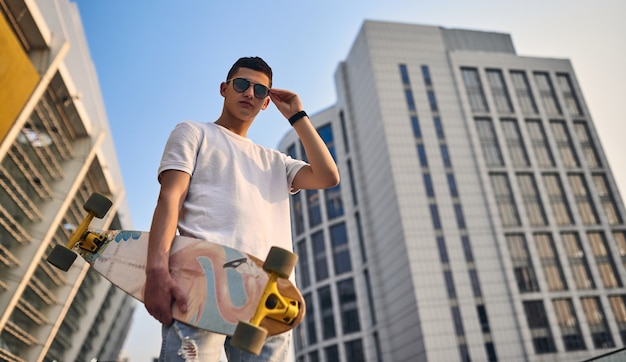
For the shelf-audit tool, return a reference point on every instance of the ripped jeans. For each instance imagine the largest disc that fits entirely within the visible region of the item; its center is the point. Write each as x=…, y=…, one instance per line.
x=183, y=343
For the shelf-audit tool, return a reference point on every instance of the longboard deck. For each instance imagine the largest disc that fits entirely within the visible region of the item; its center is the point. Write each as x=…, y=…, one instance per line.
x=223, y=285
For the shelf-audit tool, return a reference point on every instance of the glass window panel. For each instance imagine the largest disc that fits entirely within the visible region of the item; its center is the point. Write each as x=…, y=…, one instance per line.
x=474, y=88
x=583, y=199
x=326, y=311
x=604, y=260
x=570, y=329
x=547, y=94
x=570, y=99
x=557, y=200
x=577, y=261
x=523, y=92
x=564, y=144
x=504, y=200
x=539, y=143
x=514, y=142
x=522, y=264
x=586, y=144
x=549, y=262
x=539, y=325
x=349, y=306
x=341, y=250
x=531, y=199
x=498, y=91
x=606, y=199
x=600, y=332
x=489, y=142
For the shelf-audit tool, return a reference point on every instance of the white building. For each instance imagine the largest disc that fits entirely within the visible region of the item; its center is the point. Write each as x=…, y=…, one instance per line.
x=55, y=150
x=477, y=217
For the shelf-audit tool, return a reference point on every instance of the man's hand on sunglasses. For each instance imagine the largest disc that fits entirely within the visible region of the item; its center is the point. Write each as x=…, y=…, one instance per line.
x=287, y=102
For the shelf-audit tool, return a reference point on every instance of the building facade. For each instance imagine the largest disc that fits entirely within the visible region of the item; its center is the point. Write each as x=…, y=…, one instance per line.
x=55, y=150
x=477, y=217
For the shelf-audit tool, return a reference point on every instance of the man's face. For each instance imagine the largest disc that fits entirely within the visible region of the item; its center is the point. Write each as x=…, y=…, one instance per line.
x=244, y=104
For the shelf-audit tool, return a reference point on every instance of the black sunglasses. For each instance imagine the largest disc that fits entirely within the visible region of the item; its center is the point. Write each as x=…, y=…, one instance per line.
x=241, y=84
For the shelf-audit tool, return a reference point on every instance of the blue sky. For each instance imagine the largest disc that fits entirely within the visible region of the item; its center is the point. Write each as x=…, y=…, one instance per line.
x=160, y=62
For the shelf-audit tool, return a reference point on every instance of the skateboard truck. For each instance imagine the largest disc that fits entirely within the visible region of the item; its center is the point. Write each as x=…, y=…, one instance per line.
x=250, y=336
x=62, y=256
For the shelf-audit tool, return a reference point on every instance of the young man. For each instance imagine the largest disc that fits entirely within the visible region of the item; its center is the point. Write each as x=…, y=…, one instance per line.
x=218, y=185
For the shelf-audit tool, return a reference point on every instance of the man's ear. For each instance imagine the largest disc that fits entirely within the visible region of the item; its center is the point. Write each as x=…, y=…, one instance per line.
x=266, y=103
x=223, y=86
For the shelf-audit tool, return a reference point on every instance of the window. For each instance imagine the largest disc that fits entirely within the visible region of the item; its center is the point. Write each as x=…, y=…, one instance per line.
x=434, y=214
x=313, y=204
x=408, y=94
x=570, y=329
x=428, y=184
x=569, y=95
x=417, y=132
x=426, y=75
x=583, y=199
x=474, y=88
x=604, y=261
x=298, y=213
x=445, y=156
x=334, y=202
x=354, y=351
x=620, y=243
x=513, y=138
x=540, y=331
x=618, y=306
x=332, y=353
x=600, y=333
x=443, y=251
x=326, y=311
x=452, y=185
x=355, y=199
x=504, y=199
x=522, y=264
x=432, y=101
x=586, y=144
x=319, y=256
x=473, y=274
x=467, y=249
x=341, y=250
x=458, y=321
x=557, y=199
x=606, y=199
x=564, y=144
x=523, y=92
x=547, y=94
x=303, y=265
x=498, y=91
x=489, y=142
x=549, y=262
x=458, y=213
x=404, y=74
x=450, y=284
x=438, y=127
x=326, y=134
x=349, y=306
x=309, y=319
x=531, y=199
x=421, y=153
x=539, y=143
x=577, y=261
x=482, y=317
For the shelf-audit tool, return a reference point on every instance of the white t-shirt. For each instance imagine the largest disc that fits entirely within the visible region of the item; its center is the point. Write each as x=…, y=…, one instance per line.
x=239, y=191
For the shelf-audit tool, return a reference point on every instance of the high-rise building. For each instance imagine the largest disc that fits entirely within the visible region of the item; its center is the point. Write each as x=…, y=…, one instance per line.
x=55, y=150
x=477, y=217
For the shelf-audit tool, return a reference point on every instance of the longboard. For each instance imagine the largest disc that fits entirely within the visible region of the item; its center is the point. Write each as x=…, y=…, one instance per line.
x=229, y=292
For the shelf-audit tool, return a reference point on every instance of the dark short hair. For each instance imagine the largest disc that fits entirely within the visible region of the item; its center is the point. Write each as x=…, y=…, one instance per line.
x=254, y=63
